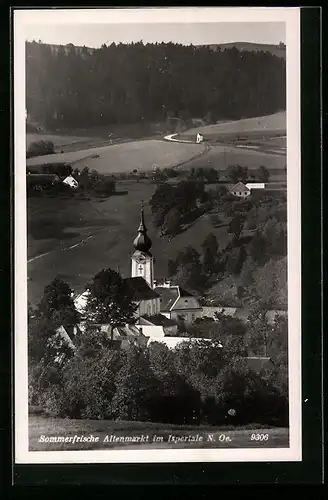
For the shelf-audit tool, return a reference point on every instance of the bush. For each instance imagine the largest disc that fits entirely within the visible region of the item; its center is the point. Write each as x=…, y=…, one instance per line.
x=40, y=148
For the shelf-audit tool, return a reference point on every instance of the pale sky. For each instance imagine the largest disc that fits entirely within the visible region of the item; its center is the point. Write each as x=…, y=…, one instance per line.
x=94, y=35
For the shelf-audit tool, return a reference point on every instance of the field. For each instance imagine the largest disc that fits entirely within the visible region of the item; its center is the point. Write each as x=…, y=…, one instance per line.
x=77, y=238
x=234, y=438
x=275, y=123
x=141, y=155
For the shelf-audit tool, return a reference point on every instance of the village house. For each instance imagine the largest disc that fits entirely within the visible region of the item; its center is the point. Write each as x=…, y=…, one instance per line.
x=177, y=304
x=240, y=190
x=71, y=182
x=199, y=138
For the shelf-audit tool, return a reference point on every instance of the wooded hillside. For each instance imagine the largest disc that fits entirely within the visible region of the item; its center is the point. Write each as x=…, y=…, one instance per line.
x=137, y=82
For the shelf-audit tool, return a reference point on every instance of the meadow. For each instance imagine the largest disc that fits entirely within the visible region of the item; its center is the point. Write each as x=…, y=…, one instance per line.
x=77, y=238
x=141, y=155
x=238, y=437
x=275, y=123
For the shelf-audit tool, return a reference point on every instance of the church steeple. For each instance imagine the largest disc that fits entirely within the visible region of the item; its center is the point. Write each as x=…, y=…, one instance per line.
x=142, y=242
x=142, y=260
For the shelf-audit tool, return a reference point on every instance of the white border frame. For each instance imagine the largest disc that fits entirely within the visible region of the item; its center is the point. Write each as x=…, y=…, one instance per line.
x=291, y=18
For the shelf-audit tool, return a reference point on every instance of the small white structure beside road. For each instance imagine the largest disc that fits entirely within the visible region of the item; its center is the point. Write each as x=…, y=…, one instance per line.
x=255, y=185
x=71, y=182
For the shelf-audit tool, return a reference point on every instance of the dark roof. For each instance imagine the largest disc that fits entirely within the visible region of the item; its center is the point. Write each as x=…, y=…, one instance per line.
x=158, y=320
x=240, y=186
x=168, y=296
x=140, y=289
x=184, y=293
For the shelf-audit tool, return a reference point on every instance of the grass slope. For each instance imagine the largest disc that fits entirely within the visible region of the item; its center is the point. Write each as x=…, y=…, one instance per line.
x=262, y=124
x=239, y=438
x=56, y=225
x=140, y=155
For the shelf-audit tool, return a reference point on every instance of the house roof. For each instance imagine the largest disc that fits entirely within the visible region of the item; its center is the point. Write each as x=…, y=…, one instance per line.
x=168, y=296
x=140, y=289
x=240, y=186
x=156, y=320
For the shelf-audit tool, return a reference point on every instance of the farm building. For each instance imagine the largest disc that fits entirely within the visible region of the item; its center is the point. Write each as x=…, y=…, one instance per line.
x=240, y=190
x=71, y=182
x=255, y=185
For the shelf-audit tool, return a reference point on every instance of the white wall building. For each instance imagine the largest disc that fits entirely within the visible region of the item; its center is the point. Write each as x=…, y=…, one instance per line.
x=240, y=190
x=255, y=185
x=71, y=182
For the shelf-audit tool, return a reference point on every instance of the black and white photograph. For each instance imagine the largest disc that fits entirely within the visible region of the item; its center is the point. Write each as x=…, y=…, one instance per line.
x=157, y=230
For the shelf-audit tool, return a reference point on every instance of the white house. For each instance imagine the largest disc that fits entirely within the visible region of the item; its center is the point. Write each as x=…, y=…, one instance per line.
x=71, y=182
x=240, y=190
x=177, y=304
x=199, y=138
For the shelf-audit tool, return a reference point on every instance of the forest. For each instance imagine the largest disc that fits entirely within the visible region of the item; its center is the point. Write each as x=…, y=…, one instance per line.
x=136, y=83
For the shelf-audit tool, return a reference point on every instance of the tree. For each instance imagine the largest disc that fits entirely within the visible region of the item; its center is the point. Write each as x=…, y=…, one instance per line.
x=237, y=173
x=271, y=283
x=246, y=275
x=211, y=250
x=40, y=148
x=163, y=198
x=187, y=194
x=235, y=226
x=234, y=260
x=172, y=267
x=263, y=174
x=110, y=300
x=72, y=89
x=136, y=388
x=257, y=248
x=172, y=222
x=88, y=381
x=57, y=304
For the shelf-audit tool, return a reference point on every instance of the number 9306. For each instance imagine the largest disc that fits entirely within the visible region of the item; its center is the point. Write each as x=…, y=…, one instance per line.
x=259, y=437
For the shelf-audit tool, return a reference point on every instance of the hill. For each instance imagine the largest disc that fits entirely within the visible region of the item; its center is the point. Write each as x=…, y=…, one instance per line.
x=268, y=124
x=276, y=50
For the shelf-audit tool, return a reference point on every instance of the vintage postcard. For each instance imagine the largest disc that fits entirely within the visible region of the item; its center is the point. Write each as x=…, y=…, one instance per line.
x=157, y=235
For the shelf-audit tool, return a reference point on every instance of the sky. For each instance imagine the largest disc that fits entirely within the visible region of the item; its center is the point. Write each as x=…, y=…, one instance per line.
x=94, y=35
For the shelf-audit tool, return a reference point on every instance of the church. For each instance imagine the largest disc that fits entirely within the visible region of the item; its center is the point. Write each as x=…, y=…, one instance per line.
x=159, y=307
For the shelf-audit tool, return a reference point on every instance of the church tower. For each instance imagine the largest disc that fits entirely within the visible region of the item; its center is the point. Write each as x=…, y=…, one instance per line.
x=142, y=259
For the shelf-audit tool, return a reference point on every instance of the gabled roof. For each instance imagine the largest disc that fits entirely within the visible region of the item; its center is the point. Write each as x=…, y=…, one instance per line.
x=168, y=295
x=140, y=289
x=122, y=332
x=157, y=320
x=240, y=186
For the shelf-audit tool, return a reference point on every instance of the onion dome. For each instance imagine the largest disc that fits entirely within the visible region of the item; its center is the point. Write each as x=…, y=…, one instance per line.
x=142, y=242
